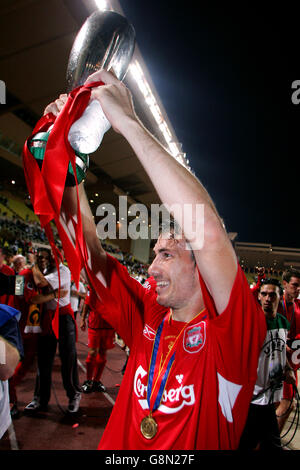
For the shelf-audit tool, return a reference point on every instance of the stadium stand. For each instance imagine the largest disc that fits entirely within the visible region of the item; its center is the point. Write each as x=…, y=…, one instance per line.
x=20, y=231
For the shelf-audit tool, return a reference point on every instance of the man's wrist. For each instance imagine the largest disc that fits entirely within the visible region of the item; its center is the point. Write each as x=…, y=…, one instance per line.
x=130, y=125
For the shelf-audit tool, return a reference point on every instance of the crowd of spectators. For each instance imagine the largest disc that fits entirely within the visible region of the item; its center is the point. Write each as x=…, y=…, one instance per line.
x=19, y=237
x=18, y=234
x=271, y=272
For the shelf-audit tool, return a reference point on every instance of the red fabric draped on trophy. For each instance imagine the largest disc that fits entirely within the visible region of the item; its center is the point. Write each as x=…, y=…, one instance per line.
x=46, y=185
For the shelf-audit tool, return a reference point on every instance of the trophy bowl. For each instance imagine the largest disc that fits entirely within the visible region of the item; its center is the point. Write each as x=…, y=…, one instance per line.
x=106, y=40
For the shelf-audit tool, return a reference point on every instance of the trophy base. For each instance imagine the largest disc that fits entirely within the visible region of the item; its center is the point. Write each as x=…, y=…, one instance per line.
x=37, y=147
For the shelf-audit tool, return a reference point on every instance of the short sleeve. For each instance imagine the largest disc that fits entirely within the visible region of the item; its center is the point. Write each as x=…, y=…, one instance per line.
x=65, y=278
x=238, y=333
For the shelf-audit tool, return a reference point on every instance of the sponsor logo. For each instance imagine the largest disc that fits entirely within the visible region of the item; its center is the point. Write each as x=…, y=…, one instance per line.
x=194, y=337
x=276, y=342
x=179, y=397
x=179, y=378
x=149, y=333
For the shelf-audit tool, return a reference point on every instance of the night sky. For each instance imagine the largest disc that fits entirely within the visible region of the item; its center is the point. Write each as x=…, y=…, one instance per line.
x=225, y=79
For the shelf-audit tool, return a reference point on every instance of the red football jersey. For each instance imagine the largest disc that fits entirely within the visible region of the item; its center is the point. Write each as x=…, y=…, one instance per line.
x=207, y=394
x=23, y=302
x=292, y=312
x=96, y=307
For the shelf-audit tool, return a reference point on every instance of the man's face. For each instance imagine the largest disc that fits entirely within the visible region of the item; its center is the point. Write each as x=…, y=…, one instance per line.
x=43, y=260
x=175, y=273
x=292, y=288
x=19, y=264
x=269, y=297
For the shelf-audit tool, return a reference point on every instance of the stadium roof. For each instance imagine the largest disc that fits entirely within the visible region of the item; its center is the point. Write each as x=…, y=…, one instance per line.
x=36, y=39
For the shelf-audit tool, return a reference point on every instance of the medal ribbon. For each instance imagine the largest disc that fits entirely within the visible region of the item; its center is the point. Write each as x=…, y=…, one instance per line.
x=164, y=370
x=287, y=312
x=152, y=370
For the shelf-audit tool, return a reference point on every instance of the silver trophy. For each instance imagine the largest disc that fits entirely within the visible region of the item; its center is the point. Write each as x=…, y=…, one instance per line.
x=105, y=41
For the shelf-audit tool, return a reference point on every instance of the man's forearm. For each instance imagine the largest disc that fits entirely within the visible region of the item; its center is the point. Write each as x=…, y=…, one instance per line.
x=192, y=207
x=166, y=172
x=85, y=312
x=38, y=276
x=40, y=298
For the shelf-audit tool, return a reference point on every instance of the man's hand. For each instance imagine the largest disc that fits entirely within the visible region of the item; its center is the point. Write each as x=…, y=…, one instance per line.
x=260, y=270
x=83, y=324
x=56, y=106
x=32, y=258
x=290, y=376
x=114, y=97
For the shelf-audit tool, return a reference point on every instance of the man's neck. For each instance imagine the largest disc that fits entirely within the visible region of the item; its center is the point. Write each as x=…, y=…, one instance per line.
x=270, y=315
x=186, y=314
x=288, y=298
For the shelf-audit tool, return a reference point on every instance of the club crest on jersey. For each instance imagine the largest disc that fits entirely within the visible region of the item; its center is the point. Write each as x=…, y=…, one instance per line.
x=194, y=337
x=149, y=332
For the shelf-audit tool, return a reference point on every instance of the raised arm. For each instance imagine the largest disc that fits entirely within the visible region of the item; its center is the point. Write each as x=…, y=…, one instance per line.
x=215, y=257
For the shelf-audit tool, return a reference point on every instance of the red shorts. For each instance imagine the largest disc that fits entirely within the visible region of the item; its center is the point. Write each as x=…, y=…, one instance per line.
x=101, y=338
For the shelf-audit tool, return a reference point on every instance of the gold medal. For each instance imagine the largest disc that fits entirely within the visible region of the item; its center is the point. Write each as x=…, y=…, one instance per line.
x=148, y=427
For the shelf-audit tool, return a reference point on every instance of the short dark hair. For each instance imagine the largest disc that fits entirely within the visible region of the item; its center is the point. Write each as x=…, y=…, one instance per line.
x=170, y=226
x=273, y=282
x=289, y=273
x=46, y=250
x=50, y=257
x=173, y=227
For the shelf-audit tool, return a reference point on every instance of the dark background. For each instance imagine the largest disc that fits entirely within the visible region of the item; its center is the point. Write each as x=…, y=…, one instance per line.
x=224, y=76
